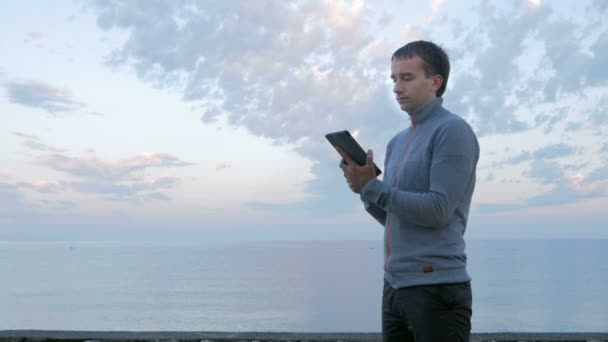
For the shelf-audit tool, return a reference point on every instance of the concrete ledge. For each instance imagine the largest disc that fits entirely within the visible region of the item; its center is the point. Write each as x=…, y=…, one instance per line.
x=171, y=336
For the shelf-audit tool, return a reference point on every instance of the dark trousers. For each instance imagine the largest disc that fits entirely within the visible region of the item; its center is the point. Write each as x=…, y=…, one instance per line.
x=427, y=313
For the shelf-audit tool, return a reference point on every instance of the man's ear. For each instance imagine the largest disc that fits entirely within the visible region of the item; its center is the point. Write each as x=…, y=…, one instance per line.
x=437, y=82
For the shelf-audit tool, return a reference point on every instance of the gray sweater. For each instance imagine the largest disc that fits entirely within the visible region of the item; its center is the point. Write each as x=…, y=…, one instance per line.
x=423, y=201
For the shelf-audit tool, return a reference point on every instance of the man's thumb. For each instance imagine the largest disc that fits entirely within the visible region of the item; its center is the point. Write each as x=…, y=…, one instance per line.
x=370, y=157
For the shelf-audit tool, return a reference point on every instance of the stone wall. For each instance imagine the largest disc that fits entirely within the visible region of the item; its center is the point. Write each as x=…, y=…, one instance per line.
x=117, y=336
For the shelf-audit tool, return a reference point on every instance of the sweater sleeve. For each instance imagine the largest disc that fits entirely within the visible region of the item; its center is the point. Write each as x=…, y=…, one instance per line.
x=455, y=156
x=378, y=213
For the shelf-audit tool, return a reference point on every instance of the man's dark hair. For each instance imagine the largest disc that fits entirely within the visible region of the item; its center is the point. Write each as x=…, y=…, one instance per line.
x=435, y=59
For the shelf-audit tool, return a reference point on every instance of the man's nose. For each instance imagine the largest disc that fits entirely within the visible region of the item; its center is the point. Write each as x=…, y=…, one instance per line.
x=397, y=88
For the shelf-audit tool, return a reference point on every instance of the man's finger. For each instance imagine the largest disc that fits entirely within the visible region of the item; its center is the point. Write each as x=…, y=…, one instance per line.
x=343, y=166
x=345, y=156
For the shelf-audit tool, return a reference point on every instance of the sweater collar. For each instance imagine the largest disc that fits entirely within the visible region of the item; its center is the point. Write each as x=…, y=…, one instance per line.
x=421, y=113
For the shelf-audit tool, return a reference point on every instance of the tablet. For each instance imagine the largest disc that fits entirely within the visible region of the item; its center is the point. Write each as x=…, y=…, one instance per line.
x=348, y=144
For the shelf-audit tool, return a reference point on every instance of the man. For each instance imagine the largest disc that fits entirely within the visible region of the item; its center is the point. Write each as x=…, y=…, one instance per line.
x=423, y=203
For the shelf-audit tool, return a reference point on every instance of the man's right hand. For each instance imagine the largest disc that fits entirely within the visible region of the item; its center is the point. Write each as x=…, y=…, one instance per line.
x=357, y=176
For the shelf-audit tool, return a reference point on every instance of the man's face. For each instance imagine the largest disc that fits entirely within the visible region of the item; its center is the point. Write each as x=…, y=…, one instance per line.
x=412, y=87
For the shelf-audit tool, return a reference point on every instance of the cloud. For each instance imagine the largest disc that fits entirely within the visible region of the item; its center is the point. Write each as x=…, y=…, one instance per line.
x=295, y=71
x=516, y=58
x=34, y=36
x=17, y=211
x=565, y=187
x=287, y=71
x=222, y=164
x=604, y=148
x=123, y=191
x=551, y=151
x=598, y=118
x=42, y=147
x=47, y=187
x=26, y=135
x=545, y=172
x=564, y=195
x=122, y=180
x=599, y=174
x=555, y=151
x=133, y=189
x=37, y=94
x=91, y=168
x=436, y=5
x=116, y=181
x=522, y=157
x=15, y=206
x=33, y=142
x=280, y=69
x=498, y=207
x=550, y=121
x=60, y=205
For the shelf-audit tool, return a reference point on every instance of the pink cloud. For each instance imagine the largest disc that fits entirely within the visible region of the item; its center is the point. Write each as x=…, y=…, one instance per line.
x=26, y=135
x=90, y=167
x=45, y=186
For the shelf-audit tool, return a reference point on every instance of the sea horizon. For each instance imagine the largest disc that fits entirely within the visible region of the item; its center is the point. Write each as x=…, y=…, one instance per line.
x=290, y=286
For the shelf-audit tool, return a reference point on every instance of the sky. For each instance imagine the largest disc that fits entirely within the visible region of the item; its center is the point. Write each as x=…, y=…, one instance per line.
x=204, y=120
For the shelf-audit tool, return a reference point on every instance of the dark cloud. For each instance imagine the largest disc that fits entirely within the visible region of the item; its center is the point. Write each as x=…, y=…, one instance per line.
x=598, y=118
x=545, y=172
x=599, y=174
x=498, y=84
x=555, y=151
x=573, y=126
x=550, y=120
x=490, y=177
x=545, y=153
x=37, y=94
x=335, y=196
x=522, y=157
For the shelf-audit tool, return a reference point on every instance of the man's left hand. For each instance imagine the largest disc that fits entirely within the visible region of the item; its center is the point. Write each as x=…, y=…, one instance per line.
x=357, y=176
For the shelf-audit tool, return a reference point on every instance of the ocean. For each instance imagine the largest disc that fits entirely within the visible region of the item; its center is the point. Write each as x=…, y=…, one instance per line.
x=296, y=286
